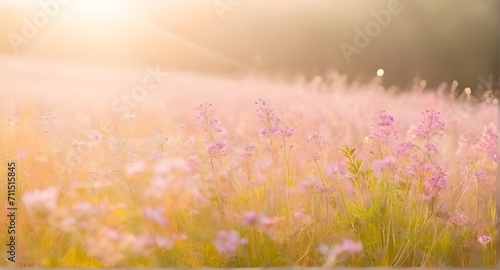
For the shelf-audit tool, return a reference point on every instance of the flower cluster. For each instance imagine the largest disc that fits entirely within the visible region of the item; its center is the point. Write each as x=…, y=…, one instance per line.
x=206, y=119
x=216, y=148
x=210, y=125
x=489, y=142
x=382, y=129
x=435, y=182
x=430, y=127
x=319, y=142
x=383, y=135
x=276, y=204
x=414, y=158
x=267, y=117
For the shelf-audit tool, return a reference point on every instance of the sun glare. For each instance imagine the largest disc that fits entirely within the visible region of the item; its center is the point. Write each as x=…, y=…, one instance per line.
x=102, y=8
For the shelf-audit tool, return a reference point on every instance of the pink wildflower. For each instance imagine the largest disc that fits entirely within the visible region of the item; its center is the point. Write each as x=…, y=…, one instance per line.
x=164, y=242
x=315, y=137
x=269, y=131
x=157, y=156
x=382, y=131
x=379, y=166
x=430, y=148
x=250, y=218
x=404, y=148
x=41, y=203
x=443, y=213
x=165, y=166
x=381, y=128
x=299, y=214
x=136, y=167
x=22, y=154
x=468, y=146
x=268, y=222
x=489, y=143
x=436, y=182
x=287, y=132
x=323, y=249
x=206, y=120
x=267, y=116
x=110, y=245
x=483, y=239
x=227, y=242
x=430, y=127
x=322, y=189
x=155, y=215
x=216, y=148
x=319, y=141
x=347, y=247
x=480, y=175
x=316, y=185
x=314, y=157
x=247, y=151
x=332, y=169
x=97, y=135
x=459, y=219
x=411, y=169
x=383, y=120
x=158, y=186
x=144, y=245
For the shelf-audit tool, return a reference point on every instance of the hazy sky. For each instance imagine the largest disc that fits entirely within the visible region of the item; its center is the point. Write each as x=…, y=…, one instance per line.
x=438, y=40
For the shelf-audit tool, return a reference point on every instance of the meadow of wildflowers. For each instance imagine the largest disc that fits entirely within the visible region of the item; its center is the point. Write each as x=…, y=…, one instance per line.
x=247, y=173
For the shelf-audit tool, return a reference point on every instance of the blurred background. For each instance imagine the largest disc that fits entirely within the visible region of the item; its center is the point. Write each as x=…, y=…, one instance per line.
x=439, y=41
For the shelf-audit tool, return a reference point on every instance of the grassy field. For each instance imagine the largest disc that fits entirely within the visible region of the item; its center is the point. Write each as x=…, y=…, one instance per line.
x=121, y=167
